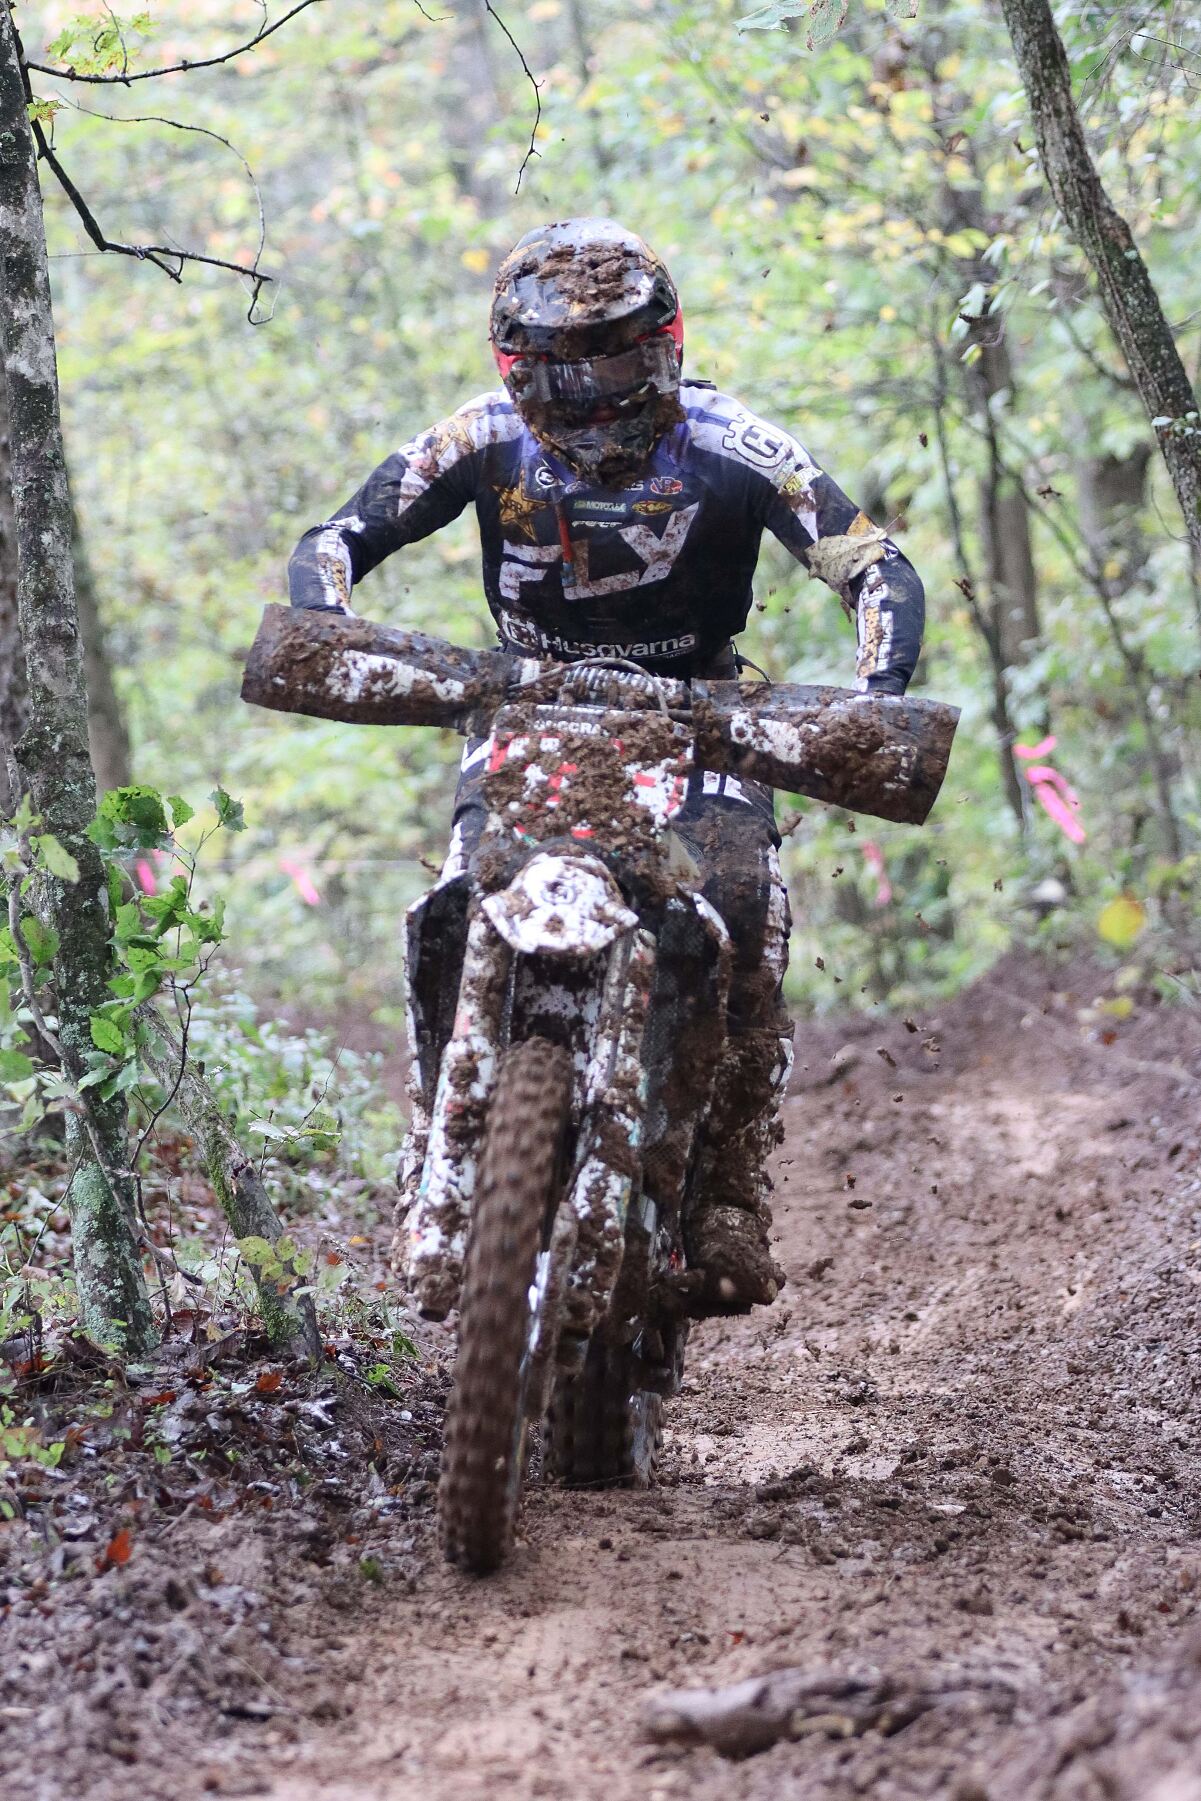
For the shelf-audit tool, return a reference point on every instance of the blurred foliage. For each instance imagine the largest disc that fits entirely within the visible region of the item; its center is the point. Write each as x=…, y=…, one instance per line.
x=842, y=220
x=308, y=1109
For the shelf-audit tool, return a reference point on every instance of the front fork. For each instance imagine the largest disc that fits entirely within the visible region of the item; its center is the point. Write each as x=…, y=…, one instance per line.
x=608, y=1160
x=610, y=1110
x=436, y=1228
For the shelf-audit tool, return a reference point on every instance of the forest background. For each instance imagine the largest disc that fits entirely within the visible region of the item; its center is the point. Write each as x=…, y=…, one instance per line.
x=868, y=254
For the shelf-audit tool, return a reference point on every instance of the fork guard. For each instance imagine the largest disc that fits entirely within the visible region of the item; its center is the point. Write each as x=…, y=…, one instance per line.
x=438, y=1220
x=608, y=1163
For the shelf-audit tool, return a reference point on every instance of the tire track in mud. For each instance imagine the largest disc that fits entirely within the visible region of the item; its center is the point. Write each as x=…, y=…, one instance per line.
x=967, y=1432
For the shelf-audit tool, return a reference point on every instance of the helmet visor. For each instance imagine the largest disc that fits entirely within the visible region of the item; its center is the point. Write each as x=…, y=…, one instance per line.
x=574, y=393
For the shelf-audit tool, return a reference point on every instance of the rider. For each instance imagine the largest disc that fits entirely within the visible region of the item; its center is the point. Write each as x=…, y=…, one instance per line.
x=620, y=510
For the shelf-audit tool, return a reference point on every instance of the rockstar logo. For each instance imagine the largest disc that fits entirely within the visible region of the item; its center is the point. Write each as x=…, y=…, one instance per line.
x=517, y=510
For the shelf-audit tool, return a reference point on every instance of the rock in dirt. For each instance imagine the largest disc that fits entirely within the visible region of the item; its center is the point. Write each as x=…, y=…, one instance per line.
x=750, y=1716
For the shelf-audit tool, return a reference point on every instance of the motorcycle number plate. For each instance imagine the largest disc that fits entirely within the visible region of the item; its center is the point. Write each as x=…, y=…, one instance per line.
x=581, y=771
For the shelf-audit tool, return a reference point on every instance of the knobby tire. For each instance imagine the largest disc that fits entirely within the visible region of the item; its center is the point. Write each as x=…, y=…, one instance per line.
x=484, y=1437
x=605, y=1430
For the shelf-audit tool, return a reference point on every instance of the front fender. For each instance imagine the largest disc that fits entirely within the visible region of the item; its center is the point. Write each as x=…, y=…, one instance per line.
x=562, y=905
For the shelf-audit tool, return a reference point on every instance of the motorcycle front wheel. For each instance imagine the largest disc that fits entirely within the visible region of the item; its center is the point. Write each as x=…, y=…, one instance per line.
x=500, y=1310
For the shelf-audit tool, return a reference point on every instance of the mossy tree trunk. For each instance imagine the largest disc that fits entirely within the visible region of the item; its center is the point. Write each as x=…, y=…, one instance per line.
x=13, y=715
x=52, y=758
x=1127, y=292
x=108, y=735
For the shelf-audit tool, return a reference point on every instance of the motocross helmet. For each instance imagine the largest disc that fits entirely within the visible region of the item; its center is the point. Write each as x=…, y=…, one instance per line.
x=588, y=336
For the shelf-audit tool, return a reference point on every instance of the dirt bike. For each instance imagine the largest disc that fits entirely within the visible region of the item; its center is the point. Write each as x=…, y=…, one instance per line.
x=566, y=999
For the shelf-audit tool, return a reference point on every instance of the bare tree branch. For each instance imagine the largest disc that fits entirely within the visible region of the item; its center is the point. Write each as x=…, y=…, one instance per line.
x=164, y=256
x=208, y=62
x=204, y=131
x=536, y=85
x=1113, y=376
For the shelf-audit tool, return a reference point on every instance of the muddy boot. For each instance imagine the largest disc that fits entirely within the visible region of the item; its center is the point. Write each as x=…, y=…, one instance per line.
x=730, y=1245
x=727, y=1218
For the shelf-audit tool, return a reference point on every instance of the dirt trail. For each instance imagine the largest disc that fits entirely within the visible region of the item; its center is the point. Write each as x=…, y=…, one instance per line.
x=968, y=1433
x=966, y=1438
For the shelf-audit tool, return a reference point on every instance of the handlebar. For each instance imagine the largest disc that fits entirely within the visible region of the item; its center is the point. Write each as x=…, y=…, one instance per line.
x=884, y=755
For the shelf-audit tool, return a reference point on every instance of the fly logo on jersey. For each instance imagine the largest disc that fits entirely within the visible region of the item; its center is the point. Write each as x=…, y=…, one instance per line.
x=525, y=563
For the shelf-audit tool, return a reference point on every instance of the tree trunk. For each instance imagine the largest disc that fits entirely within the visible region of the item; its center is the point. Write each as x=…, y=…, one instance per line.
x=52, y=756
x=1005, y=517
x=13, y=710
x=984, y=621
x=1127, y=292
x=107, y=736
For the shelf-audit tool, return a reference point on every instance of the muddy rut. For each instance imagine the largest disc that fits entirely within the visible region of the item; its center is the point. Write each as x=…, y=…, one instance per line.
x=966, y=1437
x=961, y=1454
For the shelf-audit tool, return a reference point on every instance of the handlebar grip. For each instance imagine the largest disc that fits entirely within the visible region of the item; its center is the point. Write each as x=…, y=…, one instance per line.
x=881, y=754
x=332, y=666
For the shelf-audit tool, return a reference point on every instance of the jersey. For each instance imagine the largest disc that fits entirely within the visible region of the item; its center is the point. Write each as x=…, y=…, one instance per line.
x=658, y=570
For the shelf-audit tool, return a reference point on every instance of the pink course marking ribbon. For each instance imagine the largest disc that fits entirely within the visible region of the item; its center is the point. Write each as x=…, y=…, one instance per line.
x=306, y=888
x=1051, y=790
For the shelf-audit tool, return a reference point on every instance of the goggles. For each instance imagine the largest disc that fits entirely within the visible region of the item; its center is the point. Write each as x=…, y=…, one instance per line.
x=574, y=391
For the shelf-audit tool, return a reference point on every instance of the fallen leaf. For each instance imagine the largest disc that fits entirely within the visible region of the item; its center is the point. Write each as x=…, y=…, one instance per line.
x=269, y=1382
x=1121, y=921
x=117, y=1551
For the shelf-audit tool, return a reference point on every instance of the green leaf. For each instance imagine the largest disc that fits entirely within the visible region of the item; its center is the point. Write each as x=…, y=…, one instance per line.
x=126, y=921
x=106, y=1035
x=180, y=810
x=210, y=928
x=146, y=983
x=133, y=818
x=256, y=1250
x=141, y=957
x=53, y=856
x=15, y=1066
x=966, y=243
x=31, y=1113
x=230, y=812
x=41, y=939
x=770, y=18
x=128, y=1077
x=125, y=1078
